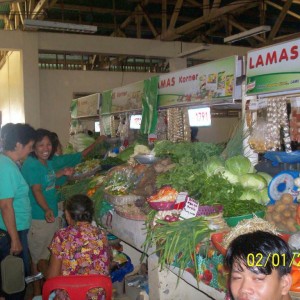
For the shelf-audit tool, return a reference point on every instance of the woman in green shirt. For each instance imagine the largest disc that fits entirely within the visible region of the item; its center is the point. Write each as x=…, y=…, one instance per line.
x=15, y=217
x=41, y=173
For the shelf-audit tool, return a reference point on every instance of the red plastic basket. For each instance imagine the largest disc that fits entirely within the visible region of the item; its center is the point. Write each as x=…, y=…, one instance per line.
x=162, y=205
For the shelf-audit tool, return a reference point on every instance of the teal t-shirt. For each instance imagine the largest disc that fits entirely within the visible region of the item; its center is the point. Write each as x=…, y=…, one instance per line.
x=36, y=173
x=13, y=185
x=62, y=161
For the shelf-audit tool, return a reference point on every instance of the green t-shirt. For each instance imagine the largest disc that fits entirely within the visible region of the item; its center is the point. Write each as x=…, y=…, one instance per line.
x=36, y=173
x=62, y=161
x=13, y=185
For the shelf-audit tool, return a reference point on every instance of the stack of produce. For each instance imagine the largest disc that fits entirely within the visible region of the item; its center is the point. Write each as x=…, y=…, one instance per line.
x=283, y=213
x=238, y=170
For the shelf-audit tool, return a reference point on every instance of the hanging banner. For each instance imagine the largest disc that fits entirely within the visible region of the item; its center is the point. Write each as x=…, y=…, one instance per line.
x=106, y=102
x=206, y=83
x=273, y=69
x=149, y=100
x=88, y=105
x=128, y=97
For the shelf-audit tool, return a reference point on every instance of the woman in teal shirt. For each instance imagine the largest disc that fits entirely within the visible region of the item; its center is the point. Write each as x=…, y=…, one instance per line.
x=15, y=217
x=41, y=173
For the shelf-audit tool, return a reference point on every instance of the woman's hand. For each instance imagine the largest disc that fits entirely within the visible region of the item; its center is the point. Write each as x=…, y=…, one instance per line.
x=16, y=246
x=100, y=139
x=65, y=172
x=68, y=171
x=49, y=216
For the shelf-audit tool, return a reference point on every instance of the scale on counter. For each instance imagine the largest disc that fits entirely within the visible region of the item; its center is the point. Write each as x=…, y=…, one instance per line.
x=283, y=183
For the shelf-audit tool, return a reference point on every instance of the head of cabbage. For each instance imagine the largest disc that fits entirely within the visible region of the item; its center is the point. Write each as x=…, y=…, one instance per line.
x=213, y=166
x=254, y=181
x=239, y=165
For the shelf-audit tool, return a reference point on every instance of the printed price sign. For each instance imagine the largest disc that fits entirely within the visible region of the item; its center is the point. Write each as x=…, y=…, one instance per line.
x=199, y=116
x=135, y=121
x=180, y=200
x=190, y=209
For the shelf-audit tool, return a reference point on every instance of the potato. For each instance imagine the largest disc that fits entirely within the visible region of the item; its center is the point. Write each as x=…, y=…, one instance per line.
x=270, y=208
x=287, y=198
x=287, y=213
x=293, y=206
x=276, y=217
x=280, y=208
x=290, y=224
x=269, y=217
x=294, y=214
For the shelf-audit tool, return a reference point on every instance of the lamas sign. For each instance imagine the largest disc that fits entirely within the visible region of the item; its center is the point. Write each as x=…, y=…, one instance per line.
x=274, y=69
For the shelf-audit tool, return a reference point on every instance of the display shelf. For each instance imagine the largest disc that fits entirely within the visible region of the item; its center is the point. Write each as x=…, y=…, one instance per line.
x=86, y=117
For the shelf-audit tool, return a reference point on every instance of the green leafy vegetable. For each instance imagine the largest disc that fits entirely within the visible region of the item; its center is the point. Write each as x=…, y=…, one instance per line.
x=214, y=165
x=238, y=165
x=253, y=181
x=197, y=152
x=266, y=176
x=249, y=194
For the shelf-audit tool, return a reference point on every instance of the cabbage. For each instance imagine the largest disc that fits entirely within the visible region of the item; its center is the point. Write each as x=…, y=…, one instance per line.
x=214, y=166
x=238, y=165
x=252, y=181
x=264, y=196
x=249, y=194
x=81, y=141
x=266, y=176
x=233, y=179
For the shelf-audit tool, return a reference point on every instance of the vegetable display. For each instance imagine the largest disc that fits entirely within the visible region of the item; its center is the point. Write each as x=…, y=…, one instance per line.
x=176, y=241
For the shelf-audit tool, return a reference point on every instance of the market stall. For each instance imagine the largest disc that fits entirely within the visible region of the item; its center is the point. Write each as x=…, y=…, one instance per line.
x=174, y=202
x=273, y=85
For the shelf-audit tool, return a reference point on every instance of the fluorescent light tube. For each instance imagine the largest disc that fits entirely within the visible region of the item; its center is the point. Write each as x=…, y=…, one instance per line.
x=247, y=33
x=59, y=26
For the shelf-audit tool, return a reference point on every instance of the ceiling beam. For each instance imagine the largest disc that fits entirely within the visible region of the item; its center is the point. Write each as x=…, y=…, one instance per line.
x=205, y=7
x=38, y=8
x=138, y=22
x=164, y=18
x=149, y=23
x=297, y=16
x=20, y=13
x=100, y=10
x=215, y=6
x=279, y=20
x=175, y=14
x=196, y=23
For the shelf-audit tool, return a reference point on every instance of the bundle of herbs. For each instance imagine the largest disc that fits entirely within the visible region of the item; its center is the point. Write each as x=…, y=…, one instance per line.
x=197, y=152
x=176, y=242
x=208, y=190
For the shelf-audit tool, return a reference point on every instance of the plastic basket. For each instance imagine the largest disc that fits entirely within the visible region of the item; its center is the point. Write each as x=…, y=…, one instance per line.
x=121, y=199
x=162, y=205
x=206, y=210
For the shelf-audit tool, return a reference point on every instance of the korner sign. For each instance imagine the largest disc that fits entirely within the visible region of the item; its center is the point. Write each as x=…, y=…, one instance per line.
x=274, y=69
x=205, y=83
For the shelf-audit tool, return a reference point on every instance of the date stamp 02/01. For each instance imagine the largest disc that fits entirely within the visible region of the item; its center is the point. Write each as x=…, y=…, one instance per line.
x=276, y=259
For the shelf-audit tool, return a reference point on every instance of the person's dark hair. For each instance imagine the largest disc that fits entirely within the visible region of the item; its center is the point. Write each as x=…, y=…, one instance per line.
x=16, y=133
x=40, y=134
x=269, y=252
x=80, y=208
x=55, y=142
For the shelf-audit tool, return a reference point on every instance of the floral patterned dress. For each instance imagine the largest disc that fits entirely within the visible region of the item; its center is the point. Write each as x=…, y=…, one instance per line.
x=83, y=249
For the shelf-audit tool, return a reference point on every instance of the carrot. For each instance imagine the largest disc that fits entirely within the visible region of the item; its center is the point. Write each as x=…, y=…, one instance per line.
x=298, y=215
